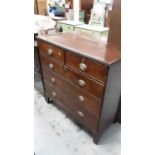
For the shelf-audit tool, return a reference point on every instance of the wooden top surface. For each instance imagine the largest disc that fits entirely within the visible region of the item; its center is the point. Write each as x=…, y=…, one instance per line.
x=85, y=45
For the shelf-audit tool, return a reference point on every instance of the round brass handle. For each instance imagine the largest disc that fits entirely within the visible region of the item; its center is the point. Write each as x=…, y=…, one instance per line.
x=81, y=83
x=50, y=52
x=51, y=66
x=65, y=68
x=82, y=66
x=80, y=114
x=53, y=80
x=81, y=98
x=54, y=94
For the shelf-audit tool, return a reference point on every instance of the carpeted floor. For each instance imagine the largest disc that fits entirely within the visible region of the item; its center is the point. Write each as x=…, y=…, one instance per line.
x=56, y=134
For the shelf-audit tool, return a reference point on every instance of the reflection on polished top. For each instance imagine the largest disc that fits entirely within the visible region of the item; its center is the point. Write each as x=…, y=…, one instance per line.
x=93, y=48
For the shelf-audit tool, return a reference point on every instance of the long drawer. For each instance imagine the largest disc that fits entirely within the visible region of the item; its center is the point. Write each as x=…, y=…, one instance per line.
x=80, y=97
x=61, y=97
x=93, y=69
x=87, y=84
x=51, y=51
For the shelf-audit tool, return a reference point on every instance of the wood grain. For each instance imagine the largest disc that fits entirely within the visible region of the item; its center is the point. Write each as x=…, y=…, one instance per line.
x=90, y=103
x=94, y=49
x=95, y=70
x=57, y=53
x=64, y=99
x=101, y=79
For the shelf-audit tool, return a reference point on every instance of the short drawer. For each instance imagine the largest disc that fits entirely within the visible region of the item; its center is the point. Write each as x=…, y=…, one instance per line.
x=65, y=27
x=85, y=83
x=61, y=97
x=68, y=28
x=89, y=85
x=89, y=67
x=51, y=51
x=51, y=65
x=80, y=97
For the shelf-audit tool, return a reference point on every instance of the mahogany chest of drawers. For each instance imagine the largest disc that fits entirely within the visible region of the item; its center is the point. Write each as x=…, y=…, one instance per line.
x=82, y=76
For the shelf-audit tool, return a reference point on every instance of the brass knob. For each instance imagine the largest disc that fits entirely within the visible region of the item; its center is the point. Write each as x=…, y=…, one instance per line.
x=50, y=52
x=80, y=114
x=51, y=66
x=65, y=68
x=54, y=94
x=81, y=98
x=53, y=80
x=82, y=66
x=81, y=83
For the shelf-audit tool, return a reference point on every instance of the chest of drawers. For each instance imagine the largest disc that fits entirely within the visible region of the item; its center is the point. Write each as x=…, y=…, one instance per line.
x=83, y=77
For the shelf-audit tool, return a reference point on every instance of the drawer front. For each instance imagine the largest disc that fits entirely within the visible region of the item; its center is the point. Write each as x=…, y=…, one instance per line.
x=87, y=66
x=86, y=84
x=51, y=51
x=51, y=65
x=66, y=28
x=61, y=97
x=80, y=97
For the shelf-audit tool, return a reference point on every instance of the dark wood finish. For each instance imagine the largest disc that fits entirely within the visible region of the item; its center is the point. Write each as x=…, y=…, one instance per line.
x=57, y=67
x=57, y=53
x=93, y=87
x=111, y=98
x=37, y=70
x=114, y=36
x=74, y=61
x=101, y=92
x=94, y=49
x=87, y=5
x=107, y=19
x=90, y=103
x=63, y=98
